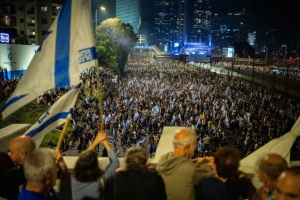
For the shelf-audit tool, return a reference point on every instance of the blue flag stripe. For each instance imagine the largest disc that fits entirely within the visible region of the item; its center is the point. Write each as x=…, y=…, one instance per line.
x=12, y=101
x=62, y=115
x=94, y=53
x=63, y=36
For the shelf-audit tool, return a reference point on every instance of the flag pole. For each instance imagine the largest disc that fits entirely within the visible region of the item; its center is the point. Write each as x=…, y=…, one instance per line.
x=100, y=99
x=63, y=132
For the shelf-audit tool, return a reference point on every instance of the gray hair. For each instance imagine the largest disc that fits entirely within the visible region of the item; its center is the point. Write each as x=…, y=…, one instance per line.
x=136, y=159
x=183, y=137
x=37, y=163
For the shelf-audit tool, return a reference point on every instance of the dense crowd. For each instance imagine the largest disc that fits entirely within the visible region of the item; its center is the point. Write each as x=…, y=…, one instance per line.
x=175, y=176
x=156, y=93
x=209, y=111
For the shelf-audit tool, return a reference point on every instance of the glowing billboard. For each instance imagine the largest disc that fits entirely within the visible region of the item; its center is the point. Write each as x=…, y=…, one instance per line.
x=4, y=38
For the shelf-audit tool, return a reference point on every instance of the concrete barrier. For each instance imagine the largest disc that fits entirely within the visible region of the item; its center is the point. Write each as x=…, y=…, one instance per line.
x=9, y=132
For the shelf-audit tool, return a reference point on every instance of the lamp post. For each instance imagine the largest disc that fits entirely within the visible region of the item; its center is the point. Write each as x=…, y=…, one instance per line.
x=285, y=52
x=286, y=76
x=266, y=49
x=96, y=16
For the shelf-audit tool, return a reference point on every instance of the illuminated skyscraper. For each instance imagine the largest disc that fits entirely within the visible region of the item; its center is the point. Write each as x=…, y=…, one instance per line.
x=168, y=28
x=129, y=11
x=181, y=21
x=231, y=27
x=27, y=21
x=200, y=14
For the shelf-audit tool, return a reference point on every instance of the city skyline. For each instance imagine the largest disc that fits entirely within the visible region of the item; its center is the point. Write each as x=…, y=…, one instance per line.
x=280, y=15
x=283, y=16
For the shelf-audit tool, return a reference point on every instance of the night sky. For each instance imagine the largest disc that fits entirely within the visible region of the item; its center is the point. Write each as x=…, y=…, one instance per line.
x=276, y=14
x=282, y=15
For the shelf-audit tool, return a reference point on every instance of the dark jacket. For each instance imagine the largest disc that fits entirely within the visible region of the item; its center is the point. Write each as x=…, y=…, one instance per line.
x=136, y=185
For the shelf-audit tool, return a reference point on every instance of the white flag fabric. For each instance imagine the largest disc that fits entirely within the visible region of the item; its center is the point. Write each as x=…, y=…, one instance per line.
x=136, y=116
x=55, y=116
x=68, y=48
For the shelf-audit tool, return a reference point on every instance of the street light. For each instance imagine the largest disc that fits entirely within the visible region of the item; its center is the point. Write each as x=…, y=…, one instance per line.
x=285, y=52
x=96, y=16
x=266, y=49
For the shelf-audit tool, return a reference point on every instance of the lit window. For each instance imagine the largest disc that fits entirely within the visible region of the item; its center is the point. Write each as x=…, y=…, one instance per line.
x=44, y=9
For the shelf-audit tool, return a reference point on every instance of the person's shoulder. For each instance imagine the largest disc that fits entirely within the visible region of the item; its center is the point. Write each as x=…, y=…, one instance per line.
x=152, y=172
x=15, y=172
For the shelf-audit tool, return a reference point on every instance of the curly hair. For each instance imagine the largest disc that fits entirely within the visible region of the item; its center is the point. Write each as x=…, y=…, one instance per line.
x=227, y=160
x=87, y=167
x=136, y=159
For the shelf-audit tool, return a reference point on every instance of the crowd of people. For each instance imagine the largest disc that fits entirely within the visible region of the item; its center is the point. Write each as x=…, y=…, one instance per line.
x=175, y=176
x=209, y=110
x=157, y=93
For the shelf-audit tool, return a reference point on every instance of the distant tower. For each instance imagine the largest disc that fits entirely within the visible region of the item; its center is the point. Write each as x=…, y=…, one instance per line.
x=200, y=23
x=231, y=27
x=182, y=21
x=271, y=40
x=165, y=21
x=129, y=11
x=170, y=22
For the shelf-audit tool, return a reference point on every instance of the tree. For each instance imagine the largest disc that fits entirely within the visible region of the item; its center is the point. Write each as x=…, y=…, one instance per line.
x=118, y=39
x=106, y=57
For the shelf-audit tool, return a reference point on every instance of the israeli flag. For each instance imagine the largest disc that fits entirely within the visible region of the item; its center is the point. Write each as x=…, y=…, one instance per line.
x=226, y=122
x=107, y=117
x=155, y=110
x=128, y=122
x=136, y=116
x=174, y=118
x=55, y=116
x=142, y=119
x=68, y=48
x=214, y=112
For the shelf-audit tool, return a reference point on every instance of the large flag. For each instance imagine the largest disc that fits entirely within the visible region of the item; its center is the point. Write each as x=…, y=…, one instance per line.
x=55, y=116
x=68, y=48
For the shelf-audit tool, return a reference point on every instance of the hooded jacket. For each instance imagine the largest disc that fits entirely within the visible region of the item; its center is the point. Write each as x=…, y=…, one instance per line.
x=180, y=175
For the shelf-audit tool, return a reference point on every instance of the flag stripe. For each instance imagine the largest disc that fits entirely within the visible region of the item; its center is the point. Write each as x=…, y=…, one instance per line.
x=12, y=101
x=67, y=48
x=55, y=116
x=63, y=35
x=62, y=115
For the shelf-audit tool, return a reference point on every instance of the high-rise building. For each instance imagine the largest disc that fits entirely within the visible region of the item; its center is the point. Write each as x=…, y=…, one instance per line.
x=230, y=27
x=129, y=11
x=182, y=21
x=142, y=41
x=27, y=21
x=271, y=41
x=178, y=22
x=166, y=22
x=200, y=24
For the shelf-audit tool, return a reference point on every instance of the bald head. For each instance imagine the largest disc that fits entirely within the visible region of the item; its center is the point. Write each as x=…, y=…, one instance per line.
x=19, y=147
x=273, y=164
x=287, y=185
x=269, y=168
x=185, y=140
x=274, y=158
